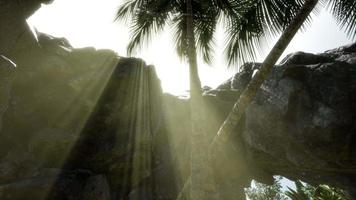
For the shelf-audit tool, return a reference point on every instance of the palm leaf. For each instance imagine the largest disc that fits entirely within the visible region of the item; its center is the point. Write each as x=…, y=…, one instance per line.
x=180, y=35
x=251, y=27
x=125, y=10
x=147, y=18
x=323, y=192
x=243, y=37
x=205, y=21
x=345, y=13
x=294, y=195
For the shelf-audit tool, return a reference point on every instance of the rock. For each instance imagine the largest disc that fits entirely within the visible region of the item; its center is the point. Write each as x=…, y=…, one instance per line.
x=76, y=185
x=7, y=68
x=96, y=188
x=51, y=147
x=301, y=123
x=17, y=165
x=33, y=188
x=302, y=58
x=13, y=22
x=73, y=108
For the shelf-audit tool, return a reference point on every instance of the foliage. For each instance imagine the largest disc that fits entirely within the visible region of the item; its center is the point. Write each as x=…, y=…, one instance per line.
x=344, y=12
x=321, y=192
x=302, y=191
x=260, y=191
x=247, y=23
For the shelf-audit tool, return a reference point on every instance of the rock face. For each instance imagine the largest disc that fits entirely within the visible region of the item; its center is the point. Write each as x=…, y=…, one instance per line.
x=76, y=123
x=304, y=111
x=6, y=70
x=88, y=124
x=13, y=21
x=87, y=136
x=302, y=122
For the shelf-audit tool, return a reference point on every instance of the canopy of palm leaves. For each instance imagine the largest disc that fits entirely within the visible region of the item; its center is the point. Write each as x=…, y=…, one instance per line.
x=344, y=12
x=246, y=23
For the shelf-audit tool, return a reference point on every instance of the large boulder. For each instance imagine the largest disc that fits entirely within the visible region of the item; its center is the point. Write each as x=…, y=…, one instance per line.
x=77, y=109
x=301, y=124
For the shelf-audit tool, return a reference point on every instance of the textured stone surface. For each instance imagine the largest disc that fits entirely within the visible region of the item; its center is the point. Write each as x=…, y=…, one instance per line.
x=74, y=185
x=82, y=109
x=13, y=23
x=302, y=122
x=7, y=68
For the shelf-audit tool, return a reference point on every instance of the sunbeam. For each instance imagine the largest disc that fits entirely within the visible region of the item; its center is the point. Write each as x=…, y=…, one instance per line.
x=79, y=122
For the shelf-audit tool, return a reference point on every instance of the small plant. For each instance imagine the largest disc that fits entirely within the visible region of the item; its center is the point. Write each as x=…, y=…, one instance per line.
x=308, y=192
x=259, y=191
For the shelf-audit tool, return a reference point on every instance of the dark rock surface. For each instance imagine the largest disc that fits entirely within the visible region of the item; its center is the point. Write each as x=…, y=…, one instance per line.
x=302, y=122
x=13, y=22
x=77, y=109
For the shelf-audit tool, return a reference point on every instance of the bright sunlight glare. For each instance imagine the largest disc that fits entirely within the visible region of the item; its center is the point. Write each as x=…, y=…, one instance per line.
x=91, y=23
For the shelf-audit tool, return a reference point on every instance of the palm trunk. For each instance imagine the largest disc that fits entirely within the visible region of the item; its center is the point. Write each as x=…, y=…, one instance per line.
x=195, y=85
x=239, y=108
x=250, y=92
x=201, y=179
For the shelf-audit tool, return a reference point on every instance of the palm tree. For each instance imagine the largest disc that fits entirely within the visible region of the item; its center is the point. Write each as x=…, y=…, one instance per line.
x=345, y=13
x=197, y=20
x=250, y=91
x=190, y=19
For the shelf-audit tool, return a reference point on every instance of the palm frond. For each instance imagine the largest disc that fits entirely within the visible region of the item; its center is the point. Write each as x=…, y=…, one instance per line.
x=124, y=12
x=205, y=21
x=147, y=18
x=180, y=35
x=345, y=13
x=249, y=28
x=299, y=193
x=294, y=195
x=243, y=37
x=325, y=192
x=233, y=7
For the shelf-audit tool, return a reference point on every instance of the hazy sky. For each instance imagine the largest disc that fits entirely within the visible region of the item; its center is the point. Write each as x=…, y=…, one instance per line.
x=90, y=23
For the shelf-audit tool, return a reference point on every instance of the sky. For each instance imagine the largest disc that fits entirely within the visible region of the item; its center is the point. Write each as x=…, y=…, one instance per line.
x=91, y=23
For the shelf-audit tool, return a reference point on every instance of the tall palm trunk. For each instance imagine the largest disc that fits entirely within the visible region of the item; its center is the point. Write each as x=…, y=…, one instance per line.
x=201, y=179
x=250, y=92
x=195, y=85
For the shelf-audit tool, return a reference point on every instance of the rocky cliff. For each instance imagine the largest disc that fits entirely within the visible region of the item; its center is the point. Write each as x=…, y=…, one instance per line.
x=302, y=122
